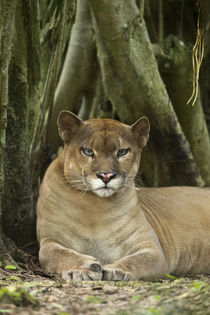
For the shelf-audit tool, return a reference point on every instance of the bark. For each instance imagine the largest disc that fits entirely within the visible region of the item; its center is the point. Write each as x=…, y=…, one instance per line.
x=205, y=69
x=7, y=23
x=18, y=205
x=7, y=33
x=39, y=149
x=175, y=65
x=19, y=113
x=128, y=65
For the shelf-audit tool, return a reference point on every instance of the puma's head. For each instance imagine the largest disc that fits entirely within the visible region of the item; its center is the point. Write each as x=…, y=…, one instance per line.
x=101, y=155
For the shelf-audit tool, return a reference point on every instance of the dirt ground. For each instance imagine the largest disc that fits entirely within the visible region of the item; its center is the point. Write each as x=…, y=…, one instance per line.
x=31, y=293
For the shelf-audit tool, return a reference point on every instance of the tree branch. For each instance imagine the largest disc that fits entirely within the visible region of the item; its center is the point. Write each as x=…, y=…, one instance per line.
x=79, y=70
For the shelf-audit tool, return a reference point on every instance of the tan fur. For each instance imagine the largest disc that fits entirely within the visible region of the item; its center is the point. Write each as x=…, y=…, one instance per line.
x=121, y=232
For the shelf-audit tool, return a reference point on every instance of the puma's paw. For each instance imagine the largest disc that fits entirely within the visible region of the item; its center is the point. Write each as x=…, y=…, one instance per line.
x=110, y=273
x=90, y=271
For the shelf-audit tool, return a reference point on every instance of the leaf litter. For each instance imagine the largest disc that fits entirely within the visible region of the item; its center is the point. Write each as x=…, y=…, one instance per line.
x=37, y=293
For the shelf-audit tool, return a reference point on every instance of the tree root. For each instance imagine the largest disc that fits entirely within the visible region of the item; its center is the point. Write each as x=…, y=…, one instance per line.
x=11, y=255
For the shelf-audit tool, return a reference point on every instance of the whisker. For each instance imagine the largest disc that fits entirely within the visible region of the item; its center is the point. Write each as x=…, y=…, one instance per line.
x=84, y=191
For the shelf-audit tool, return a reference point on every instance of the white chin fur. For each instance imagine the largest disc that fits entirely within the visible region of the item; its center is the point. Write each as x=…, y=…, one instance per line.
x=98, y=187
x=104, y=192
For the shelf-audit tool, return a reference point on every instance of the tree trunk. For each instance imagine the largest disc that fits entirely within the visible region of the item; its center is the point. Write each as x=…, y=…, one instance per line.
x=7, y=23
x=128, y=65
x=175, y=65
x=78, y=73
x=18, y=205
x=23, y=123
x=131, y=83
x=39, y=148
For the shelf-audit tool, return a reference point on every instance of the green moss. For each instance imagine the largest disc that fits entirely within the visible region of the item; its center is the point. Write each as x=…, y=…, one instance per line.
x=155, y=311
x=137, y=297
x=95, y=299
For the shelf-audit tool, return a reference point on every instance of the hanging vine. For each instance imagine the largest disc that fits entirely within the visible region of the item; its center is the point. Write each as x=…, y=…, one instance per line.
x=198, y=52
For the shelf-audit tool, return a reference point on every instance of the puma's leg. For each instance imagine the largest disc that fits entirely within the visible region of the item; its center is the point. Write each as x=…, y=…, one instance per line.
x=68, y=263
x=145, y=264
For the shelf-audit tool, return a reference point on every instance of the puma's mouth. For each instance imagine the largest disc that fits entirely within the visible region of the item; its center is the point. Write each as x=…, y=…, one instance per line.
x=104, y=191
x=107, y=190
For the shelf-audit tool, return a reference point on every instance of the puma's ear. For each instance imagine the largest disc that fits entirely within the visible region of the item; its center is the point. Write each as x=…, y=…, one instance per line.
x=141, y=129
x=68, y=125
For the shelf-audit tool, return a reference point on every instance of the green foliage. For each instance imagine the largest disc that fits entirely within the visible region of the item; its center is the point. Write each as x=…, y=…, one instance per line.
x=5, y=311
x=10, y=267
x=157, y=297
x=198, y=285
x=170, y=276
x=19, y=297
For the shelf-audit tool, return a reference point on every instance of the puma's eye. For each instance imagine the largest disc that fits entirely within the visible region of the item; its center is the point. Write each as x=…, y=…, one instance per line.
x=87, y=152
x=122, y=152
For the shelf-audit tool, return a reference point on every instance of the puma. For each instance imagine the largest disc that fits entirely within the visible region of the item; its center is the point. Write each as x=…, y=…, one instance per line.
x=94, y=224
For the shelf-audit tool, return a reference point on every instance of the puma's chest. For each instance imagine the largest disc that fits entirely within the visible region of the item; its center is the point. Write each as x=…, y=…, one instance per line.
x=107, y=231
x=94, y=237
x=107, y=238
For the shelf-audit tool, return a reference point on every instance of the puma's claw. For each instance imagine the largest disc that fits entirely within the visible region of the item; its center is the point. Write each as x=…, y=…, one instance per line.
x=115, y=274
x=90, y=271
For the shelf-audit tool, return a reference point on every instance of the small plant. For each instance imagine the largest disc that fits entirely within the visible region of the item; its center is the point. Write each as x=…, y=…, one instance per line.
x=198, y=285
x=10, y=267
x=19, y=297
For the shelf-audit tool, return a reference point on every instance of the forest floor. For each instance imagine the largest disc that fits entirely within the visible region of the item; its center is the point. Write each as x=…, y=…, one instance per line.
x=31, y=293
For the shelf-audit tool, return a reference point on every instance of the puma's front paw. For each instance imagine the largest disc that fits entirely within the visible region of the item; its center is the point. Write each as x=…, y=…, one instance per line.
x=111, y=273
x=90, y=271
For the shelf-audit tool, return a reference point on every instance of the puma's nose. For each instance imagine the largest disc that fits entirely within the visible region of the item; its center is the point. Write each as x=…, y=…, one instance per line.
x=106, y=177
